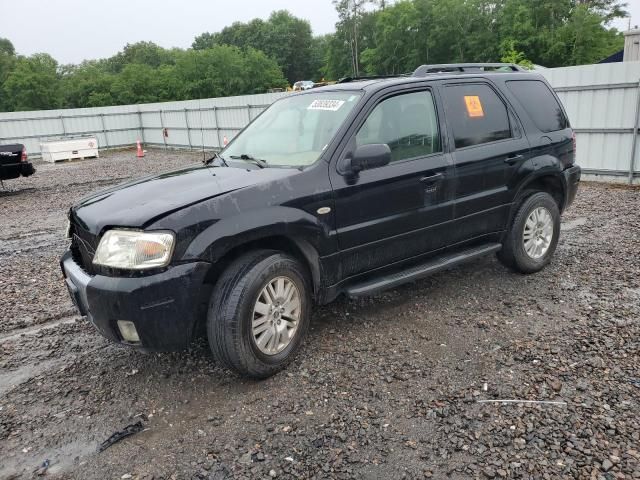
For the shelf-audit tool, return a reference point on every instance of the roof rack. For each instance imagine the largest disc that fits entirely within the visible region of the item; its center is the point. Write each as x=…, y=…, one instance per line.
x=423, y=70
x=372, y=77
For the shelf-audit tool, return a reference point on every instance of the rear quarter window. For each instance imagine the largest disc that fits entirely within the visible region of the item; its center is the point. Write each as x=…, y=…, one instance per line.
x=540, y=104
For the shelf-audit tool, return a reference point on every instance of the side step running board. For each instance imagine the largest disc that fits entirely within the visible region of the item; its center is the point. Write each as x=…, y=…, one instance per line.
x=414, y=273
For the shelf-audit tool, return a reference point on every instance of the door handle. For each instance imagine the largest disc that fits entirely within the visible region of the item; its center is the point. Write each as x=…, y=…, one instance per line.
x=511, y=159
x=436, y=177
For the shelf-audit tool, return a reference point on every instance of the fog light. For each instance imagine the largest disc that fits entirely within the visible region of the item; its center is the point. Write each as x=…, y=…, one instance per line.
x=128, y=331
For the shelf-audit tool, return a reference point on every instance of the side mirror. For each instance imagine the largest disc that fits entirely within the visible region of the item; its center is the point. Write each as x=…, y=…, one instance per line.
x=370, y=156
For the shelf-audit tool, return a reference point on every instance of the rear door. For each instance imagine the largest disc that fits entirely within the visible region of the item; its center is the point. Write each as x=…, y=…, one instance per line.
x=398, y=211
x=489, y=149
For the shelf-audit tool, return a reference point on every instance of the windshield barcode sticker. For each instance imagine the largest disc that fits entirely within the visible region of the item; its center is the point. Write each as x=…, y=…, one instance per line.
x=331, y=105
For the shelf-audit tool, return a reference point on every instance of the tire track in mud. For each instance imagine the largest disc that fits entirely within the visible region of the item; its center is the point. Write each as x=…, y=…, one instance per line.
x=49, y=188
x=37, y=241
x=67, y=317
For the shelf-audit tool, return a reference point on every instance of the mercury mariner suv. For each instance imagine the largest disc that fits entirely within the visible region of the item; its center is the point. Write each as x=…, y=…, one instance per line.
x=348, y=189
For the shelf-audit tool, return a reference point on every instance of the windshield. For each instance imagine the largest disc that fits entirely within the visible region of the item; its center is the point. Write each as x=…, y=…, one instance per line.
x=294, y=131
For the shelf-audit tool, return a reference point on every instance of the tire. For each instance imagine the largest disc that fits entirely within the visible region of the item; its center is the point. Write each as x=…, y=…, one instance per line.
x=234, y=305
x=517, y=240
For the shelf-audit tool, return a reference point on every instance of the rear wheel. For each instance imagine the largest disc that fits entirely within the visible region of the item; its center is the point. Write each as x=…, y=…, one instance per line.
x=259, y=313
x=533, y=235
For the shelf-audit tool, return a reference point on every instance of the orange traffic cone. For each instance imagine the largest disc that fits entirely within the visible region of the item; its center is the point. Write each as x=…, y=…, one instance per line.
x=140, y=153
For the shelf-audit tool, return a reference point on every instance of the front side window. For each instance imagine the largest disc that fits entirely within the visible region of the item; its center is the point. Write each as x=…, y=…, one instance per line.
x=407, y=123
x=476, y=114
x=294, y=131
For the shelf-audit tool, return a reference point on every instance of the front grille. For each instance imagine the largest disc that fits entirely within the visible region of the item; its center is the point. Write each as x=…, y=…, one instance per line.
x=83, y=246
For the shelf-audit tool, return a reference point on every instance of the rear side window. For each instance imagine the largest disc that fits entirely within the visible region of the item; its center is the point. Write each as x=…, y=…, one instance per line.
x=540, y=104
x=476, y=114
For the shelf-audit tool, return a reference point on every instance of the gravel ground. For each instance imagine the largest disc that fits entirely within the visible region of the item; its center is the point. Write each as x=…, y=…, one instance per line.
x=400, y=385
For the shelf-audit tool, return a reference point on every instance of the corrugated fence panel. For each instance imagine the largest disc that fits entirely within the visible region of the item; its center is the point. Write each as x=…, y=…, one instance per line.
x=602, y=102
x=604, y=151
x=600, y=108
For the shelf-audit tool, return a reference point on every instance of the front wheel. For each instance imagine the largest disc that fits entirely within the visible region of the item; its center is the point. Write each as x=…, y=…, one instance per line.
x=533, y=235
x=259, y=313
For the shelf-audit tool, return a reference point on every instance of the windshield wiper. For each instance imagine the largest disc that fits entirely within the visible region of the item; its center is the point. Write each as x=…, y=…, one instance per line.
x=258, y=161
x=218, y=156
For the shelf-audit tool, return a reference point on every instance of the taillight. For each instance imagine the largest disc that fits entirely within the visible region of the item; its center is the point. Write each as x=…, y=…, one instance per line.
x=573, y=135
x=24, y=154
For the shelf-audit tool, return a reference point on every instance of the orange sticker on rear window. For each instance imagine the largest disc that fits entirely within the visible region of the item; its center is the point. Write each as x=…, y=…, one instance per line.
x=474, y=106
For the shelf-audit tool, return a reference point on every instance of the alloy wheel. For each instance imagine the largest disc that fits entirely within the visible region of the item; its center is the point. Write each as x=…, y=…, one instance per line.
x=276, y=315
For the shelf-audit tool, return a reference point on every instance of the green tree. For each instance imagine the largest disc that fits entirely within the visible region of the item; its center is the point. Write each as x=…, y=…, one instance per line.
x=204, y=40
x=224, y=70
x=510, y=54
x=411, y=32
x=318, y=57
x=288, y=40
x=7, y=64
x=349, y=28
x=261, y=72
x=556, y=33
x=7, y=47
x=338, y=58
x=396, y=37
x=86, y=85
x=585, y=40
x=283, y=37
x=32, y=84
x=140, y=83
x=141, y=53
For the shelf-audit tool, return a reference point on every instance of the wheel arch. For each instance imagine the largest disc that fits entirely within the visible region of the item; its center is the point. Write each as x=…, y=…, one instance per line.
x=550, y=182
x=299, y=248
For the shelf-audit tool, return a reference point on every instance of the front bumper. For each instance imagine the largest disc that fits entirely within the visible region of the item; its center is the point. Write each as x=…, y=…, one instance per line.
x=571, y=180
x=164, y=307
x=14, y=170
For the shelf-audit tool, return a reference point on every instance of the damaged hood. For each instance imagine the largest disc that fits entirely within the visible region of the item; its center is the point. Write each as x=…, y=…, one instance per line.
x=142, y=201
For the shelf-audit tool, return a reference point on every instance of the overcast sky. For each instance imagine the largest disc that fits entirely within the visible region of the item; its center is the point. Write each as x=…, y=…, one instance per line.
x=74, y=30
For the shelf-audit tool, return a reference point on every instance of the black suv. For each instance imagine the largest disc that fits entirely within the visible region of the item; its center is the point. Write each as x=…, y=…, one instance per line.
x=351, y=188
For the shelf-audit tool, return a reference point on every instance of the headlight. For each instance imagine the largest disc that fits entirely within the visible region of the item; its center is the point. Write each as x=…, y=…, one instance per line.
x=134, y=250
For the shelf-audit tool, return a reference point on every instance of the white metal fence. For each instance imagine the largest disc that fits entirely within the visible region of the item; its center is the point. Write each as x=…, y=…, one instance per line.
x=603, y=103
x=189, y=124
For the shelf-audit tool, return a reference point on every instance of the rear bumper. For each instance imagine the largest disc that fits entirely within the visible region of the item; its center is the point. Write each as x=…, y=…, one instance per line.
x=165, y=307
x=14, y=170
x=571, y=180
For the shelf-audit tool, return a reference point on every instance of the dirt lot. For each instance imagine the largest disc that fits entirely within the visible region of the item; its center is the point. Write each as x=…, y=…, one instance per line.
x=386, y=387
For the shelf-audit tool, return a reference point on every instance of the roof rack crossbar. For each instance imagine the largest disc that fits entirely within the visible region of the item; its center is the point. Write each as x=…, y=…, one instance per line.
x=423, y=70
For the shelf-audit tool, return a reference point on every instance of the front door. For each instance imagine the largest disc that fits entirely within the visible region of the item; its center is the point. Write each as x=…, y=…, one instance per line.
x=392, y=213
